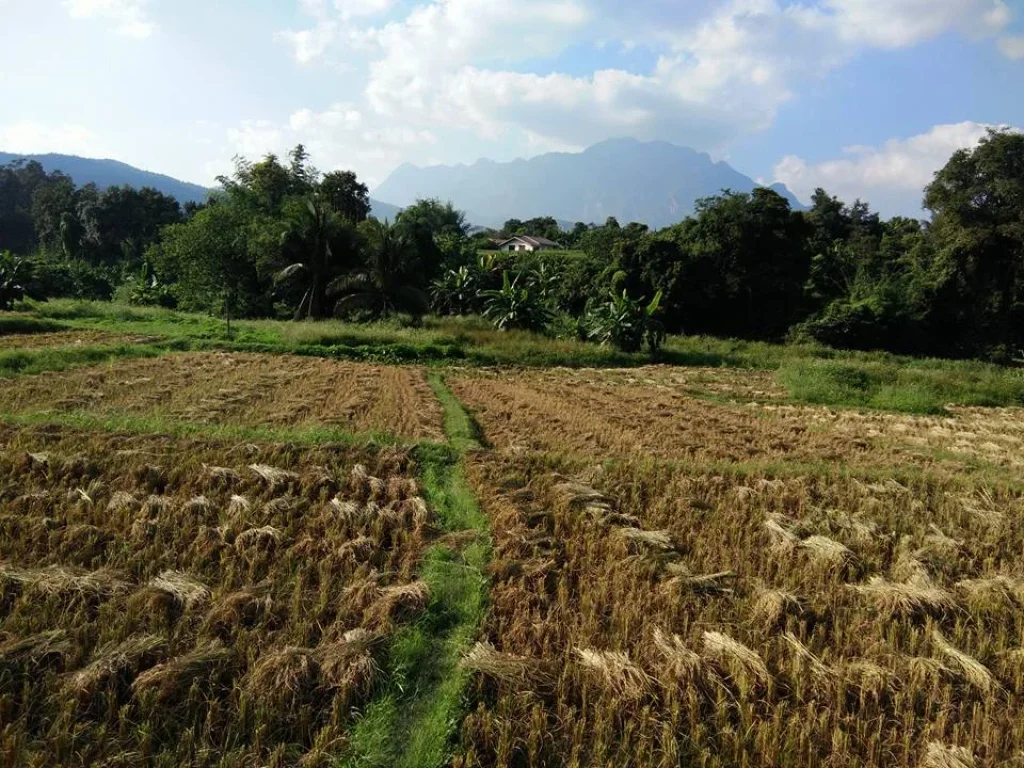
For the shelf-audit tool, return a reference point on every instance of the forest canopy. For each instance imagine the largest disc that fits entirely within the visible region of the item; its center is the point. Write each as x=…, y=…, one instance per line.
x=280, y=239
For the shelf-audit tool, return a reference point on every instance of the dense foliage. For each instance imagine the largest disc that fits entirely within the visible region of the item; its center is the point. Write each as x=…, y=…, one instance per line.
x=280, y=239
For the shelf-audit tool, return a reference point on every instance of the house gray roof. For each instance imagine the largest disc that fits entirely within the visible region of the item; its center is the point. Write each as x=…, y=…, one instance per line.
x=536, y=242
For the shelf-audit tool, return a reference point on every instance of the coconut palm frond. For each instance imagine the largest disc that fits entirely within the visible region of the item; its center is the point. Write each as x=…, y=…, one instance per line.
x=356, y=282
x=289, y=272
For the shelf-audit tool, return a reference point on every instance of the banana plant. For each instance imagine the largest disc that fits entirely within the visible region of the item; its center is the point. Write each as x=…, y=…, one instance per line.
x=628, y=324
x=516, y=306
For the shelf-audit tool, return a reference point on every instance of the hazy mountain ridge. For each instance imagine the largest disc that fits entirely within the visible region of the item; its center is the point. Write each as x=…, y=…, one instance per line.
x=111, y=173
x=653, y=182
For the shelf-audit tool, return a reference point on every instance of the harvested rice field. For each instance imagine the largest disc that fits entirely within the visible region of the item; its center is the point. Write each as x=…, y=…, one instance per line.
x=196, y=603
x=647, y=616
x=655, y=567
x=69, y=338
x=241, y=389
x=680, y=417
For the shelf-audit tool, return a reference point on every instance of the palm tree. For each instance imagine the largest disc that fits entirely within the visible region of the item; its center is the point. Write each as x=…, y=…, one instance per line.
x=321, y=241
x=382, y=286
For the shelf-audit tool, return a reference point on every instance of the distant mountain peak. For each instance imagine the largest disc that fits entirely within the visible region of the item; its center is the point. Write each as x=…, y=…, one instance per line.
x=654, y=182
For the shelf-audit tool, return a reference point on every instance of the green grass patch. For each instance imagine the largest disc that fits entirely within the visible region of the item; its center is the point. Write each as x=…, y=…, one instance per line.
x=413, y=720
x=922, y=387
x=157, y=424
x=17, y=323
x=462, y=430
x=18, y=362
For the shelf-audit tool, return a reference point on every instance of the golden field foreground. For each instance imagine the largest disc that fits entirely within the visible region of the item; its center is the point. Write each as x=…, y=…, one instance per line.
x=169, y=603
x=685, y=569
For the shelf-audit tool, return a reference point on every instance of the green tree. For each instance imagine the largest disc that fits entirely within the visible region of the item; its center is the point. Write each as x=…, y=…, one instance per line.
x=423, y=224
x=977, y=203
x=344, y=193
x=516, y=305
x=16, y=280
x=209, y=260
x=627, y=323
x=385, y=283
x=319, y=245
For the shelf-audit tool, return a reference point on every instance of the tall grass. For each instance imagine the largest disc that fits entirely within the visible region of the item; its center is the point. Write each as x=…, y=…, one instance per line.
x=31, y=361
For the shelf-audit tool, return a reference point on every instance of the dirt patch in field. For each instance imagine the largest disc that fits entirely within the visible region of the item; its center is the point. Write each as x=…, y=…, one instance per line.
x=243, y=389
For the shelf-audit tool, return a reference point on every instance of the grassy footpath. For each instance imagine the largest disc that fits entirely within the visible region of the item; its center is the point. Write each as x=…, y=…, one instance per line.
x=811, y=374
x=414, y=719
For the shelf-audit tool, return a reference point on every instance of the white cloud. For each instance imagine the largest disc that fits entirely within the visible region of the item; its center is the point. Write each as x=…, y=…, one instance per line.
x=1012, y=46
x=340, y=137
x=128, y=16
x=721, y=71
x=892, y=176
x=716, y=77
x=900, y=23
x=29, y=137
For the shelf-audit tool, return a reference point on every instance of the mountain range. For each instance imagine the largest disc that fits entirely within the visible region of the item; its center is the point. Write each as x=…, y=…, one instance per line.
x=655, y=182
x=111, y=173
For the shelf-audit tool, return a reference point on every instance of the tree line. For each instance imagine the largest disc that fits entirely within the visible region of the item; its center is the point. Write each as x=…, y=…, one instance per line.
x=280, y=239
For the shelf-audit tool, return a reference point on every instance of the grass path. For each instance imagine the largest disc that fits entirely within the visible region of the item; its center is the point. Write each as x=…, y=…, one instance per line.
x=414, y=719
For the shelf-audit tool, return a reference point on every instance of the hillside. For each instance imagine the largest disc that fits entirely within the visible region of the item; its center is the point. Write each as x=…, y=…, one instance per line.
x=110, y=173
x=653, y=182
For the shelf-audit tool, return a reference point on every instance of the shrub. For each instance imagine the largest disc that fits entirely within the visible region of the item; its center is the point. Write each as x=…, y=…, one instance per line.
x=628, y=324
x=517, y=305
x=16, y=279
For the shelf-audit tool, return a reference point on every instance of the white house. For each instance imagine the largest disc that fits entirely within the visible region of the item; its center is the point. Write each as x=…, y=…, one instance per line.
x=526, y=243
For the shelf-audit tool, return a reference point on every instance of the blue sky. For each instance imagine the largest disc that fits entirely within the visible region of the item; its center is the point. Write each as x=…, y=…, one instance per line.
x=864, y=97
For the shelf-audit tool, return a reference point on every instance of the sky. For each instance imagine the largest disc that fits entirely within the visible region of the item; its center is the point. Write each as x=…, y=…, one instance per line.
x=866, y=98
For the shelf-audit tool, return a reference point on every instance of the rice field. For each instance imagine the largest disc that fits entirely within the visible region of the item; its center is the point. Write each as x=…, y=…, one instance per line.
x=69, y=338
x=648, y=567
x=644, y=615
x=196, y=603
x=240, y=389
x=740, y=417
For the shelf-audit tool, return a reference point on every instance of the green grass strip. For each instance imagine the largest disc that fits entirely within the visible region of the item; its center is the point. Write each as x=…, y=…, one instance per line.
x=172, y=427
x=21, y=362
x=462, y=431
x=414, y=719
